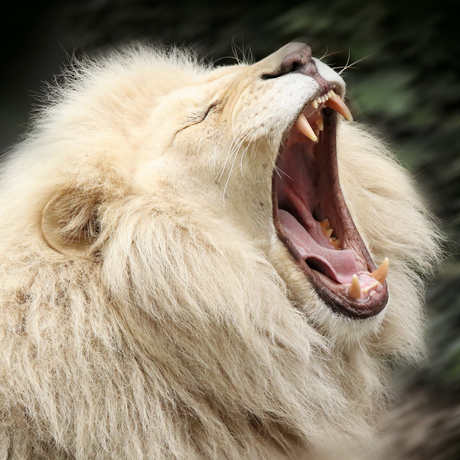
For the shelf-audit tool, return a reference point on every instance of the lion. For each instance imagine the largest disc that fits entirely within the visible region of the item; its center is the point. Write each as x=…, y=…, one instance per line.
x=203, y=262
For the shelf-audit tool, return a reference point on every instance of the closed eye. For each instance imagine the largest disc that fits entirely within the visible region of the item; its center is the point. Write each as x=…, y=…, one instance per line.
x=197, y=118
x=214, y=104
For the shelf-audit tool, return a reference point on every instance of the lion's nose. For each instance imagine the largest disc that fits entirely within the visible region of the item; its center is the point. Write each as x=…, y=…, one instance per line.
x=294, y=60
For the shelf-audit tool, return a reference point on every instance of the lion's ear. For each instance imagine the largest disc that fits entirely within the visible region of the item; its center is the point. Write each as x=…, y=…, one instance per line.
x=70, y=222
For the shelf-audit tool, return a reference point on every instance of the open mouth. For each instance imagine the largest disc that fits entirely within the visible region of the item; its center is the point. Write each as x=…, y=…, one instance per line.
x=311, y=217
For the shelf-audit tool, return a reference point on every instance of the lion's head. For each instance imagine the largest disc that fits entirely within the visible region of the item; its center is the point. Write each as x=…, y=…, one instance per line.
x=188, y=263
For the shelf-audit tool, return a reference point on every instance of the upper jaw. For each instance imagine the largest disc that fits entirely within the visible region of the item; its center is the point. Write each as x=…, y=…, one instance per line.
x=312, y=111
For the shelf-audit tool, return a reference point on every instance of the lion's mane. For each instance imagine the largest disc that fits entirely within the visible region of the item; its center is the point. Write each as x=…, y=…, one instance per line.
x=173, y=338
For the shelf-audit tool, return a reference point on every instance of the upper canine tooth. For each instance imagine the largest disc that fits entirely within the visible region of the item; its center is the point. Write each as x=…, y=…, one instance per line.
x=381, y=273
x=355, y=288
x=328, y=232
x=338, y=105
x=304, y=127
x=315, y=104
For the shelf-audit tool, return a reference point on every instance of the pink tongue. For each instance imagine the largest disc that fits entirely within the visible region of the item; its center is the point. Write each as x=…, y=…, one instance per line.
x=337, y=265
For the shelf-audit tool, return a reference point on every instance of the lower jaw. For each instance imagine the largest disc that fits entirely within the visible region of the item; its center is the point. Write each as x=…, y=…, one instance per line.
x=339, y=301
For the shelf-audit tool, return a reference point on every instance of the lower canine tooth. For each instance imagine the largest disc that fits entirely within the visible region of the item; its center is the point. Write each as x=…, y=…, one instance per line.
x=381, y=273
x=355, y=288
x=328, y=232
x=304, y=127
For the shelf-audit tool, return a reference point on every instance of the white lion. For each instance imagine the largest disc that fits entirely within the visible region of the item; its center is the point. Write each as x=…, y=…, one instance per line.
x=180, y=275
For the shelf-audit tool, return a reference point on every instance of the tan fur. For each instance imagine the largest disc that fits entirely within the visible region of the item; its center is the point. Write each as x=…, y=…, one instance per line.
x=147, y=308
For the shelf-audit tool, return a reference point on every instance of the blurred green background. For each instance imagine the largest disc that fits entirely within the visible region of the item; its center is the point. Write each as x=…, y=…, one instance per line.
x=404, y=82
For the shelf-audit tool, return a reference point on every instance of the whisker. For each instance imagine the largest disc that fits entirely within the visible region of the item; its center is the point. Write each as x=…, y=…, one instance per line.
x=346, y=65
x=354, y=63
x=327, y=54
x=287, y=175
x=233, y=163
x=254, y=147
x=277, y=170
x=235, y=136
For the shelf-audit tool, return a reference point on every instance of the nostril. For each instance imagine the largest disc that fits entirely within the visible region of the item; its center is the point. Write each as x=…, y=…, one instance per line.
x=296, y=65
x=296, y=61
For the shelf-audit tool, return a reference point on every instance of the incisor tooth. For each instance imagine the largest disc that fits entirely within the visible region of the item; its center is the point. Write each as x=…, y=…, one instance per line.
x=372, y=286
x=355, y=288
x=319, y=123
x=381, y=273
x=304, y=127
x=338, y=105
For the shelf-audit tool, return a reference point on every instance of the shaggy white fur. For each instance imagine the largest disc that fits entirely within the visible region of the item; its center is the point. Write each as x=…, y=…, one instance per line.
x=148, y=309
